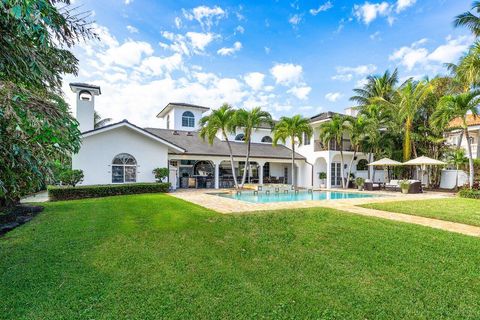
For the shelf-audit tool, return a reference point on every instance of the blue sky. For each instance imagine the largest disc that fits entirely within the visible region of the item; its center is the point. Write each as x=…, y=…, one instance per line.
x=286, y=56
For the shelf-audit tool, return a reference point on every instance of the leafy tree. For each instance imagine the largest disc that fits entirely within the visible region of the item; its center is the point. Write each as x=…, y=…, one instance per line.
x=98, y=122
x=292, y=129
x=470, y=19
x=249, y=120
x=457, y=158
x=36, y=127
x=220, y=121
x=459, y=106
x=71, y=177
x=161, y=173
x=334, y=130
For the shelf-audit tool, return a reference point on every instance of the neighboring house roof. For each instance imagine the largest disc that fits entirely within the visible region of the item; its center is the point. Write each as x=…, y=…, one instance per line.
x=323, y=116
x=86, y=86
x=169, y=107
x=472, y=120
x=125, y=123
x=194, y=145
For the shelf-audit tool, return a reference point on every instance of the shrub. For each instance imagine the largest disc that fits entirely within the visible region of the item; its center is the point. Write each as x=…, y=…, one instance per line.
x=71, y=177
x=404, y=185
x=160, y=173
x=360, y=182
x=322, y=175
x=469, y=193
x=70, y=193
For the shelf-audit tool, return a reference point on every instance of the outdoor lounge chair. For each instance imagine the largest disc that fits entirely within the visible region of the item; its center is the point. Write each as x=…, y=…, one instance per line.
x=371, y=186
x=394, y=185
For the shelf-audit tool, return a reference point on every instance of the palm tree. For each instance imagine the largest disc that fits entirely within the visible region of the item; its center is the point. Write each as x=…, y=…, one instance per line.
x=292, y=129
x=98, y=122
x=469, y=19
x=458, y=159
x=376, y=87
x=355, y=127
x=334, y=130
x=220, y=120
x=466, y=72
x=249, y=121
x=406, y=104
x=459, y=106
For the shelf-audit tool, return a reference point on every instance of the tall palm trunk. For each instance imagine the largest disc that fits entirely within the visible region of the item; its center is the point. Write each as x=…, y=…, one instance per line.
x=407, y=141
x=231, y=161
x=247, y=167
x=351, y=162
x=459, y=142
x=470, y=158
x=293, y=162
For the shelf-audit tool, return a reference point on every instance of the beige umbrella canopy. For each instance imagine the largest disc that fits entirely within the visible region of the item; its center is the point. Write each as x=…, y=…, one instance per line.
x=385, y=162
x=424, y=161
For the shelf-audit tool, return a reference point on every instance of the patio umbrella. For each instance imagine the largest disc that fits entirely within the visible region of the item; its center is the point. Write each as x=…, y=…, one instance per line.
x=422, y=162
x=385, y=162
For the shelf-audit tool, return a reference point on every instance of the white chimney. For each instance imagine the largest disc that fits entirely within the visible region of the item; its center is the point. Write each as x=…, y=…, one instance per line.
x=85, y=104
x=352, y=111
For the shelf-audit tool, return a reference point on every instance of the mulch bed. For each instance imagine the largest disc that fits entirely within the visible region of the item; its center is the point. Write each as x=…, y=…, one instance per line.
x=13, y=217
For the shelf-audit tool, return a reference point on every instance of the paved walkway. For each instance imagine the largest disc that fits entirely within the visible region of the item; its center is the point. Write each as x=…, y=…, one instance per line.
x=207, y=199
x=41, y=196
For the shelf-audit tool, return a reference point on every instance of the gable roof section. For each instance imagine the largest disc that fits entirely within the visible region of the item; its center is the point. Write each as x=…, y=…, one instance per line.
x=169, y=106
x=194, y=145
x=142, y=131
x=323, y=116
x=471, y=121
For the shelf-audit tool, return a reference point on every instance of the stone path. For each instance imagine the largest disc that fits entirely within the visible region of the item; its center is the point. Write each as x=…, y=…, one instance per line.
x=206, y=199
x=41, y=196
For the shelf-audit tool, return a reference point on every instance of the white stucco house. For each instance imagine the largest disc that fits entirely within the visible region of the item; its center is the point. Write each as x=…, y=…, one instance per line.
x=124, y=153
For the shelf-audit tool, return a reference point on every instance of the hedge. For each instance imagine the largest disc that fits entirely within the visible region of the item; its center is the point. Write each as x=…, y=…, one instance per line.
x=80, y=192
x=467, y=193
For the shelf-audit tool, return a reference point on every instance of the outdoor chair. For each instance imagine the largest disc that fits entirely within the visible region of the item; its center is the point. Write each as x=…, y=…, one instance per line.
x=371, y=186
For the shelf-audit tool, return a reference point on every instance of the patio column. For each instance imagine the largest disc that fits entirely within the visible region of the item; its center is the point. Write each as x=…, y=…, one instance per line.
x=260, y=171
x=329, y=172
x=217, y=173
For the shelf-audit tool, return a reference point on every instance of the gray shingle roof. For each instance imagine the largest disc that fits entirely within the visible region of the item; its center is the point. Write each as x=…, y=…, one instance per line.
x=194, y=145
x=323, y=116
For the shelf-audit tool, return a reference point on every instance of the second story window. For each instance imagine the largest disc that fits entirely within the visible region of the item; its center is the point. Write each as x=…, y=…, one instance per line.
x=240, y=137
x=267, y=139
x=188, y=119
x=306, y=139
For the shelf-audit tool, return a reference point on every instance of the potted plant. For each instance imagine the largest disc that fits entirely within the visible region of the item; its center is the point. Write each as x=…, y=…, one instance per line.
x=360, y=182
x=322, y=176
x=404, y=185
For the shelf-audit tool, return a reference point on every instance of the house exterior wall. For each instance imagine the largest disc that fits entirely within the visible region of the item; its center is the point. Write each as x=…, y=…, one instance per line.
x=474, y=132
x=257, y=135
x=97, y=152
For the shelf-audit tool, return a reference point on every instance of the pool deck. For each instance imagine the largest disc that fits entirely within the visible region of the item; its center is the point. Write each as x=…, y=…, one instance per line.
x=207, y=199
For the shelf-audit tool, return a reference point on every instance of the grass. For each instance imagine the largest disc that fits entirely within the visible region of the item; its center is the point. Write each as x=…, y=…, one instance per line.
x=457, y=209
x=155, y=256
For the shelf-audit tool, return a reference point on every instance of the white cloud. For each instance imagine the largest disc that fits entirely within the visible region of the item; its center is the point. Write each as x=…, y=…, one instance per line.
x=127, y=2
x=287, y=73
x=333, y=96
x=300, y=92
x=295, y=19
x=267, y=50
x=157, y=66
x=132, y=29
x=348, y=73
x=368, y=12
x=206, y=16
x=343, y=77
x=128, y=54
x=239, y=29
x=417, y=54
x=324, y=7
x=178, y=22
x=254, y=80
x=375, y=36
x=404, y=4
x=229, y=51
x=200, y=40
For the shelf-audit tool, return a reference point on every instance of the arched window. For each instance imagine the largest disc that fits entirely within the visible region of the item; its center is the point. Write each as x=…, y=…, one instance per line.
x=203, y=168
x=267, y=139
x=188, y=119
x=168, y=122
x=124, y=168
x=362, y=164
x=85, y=95
x=240, y=137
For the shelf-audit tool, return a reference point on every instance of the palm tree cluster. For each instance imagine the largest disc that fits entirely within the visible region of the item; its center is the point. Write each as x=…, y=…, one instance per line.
x=227, y=120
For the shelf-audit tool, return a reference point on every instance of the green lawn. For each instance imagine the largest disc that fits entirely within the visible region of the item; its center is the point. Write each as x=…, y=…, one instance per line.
x=456, y=209
x=154, y=256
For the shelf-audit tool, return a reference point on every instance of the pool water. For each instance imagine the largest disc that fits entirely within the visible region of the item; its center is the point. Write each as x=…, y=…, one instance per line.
x=262, y=197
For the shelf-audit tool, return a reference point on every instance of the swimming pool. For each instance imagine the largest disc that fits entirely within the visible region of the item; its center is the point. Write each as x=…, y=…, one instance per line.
x=263, y=197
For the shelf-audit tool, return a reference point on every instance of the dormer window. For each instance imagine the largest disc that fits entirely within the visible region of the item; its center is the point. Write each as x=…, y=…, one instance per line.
x=188, y=119
x=240, y=137
x=267, y=139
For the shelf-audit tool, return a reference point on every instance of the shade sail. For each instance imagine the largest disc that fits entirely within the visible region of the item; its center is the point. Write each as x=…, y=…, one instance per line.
x=424, y=161
x=385, y=162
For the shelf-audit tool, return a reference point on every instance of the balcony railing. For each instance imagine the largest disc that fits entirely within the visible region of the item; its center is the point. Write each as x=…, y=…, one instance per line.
x=332, y=146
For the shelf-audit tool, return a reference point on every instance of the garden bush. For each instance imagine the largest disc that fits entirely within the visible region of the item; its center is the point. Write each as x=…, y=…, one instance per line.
x=469, y=193
x=71, y=193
